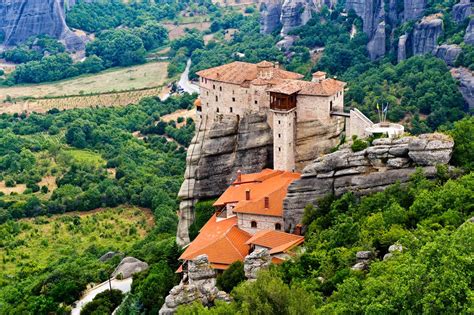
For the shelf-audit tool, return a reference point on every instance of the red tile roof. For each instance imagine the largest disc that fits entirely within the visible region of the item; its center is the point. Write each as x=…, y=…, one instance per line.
x=221, y=240
x=238, y=72
x=327, y=87
x=276, y=241
x=268, y=183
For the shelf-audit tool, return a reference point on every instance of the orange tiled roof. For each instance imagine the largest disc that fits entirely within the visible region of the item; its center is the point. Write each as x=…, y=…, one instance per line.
x=221, y=240
x=327, y=87
x=276, y=241
x=268, y=183
x=243, y=73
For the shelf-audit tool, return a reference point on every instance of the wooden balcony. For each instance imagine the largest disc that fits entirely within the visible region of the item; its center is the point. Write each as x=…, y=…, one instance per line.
x=282, y=102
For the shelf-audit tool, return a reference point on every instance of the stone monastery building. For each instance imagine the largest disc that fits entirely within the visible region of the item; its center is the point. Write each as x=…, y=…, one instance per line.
x=306, y=117
x=249, y=216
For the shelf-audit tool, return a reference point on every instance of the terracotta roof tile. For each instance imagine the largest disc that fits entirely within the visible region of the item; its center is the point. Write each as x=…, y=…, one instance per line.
x=276, y=241
x=268, y=183
x=243, y=73
x=326, y=87
x=221, y=240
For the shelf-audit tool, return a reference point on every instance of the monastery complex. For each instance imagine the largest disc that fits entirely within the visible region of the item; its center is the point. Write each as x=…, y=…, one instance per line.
x=291, y=105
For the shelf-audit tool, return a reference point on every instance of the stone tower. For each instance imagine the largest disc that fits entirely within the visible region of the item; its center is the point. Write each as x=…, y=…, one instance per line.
x=284, y=130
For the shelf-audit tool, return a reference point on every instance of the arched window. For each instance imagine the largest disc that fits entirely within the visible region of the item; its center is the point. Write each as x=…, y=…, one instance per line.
x=253, y=224
x=277, y=226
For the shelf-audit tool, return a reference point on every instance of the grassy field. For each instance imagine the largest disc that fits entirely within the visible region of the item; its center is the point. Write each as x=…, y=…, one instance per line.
x=148, y=75
x=84, y=157
x=43, y=240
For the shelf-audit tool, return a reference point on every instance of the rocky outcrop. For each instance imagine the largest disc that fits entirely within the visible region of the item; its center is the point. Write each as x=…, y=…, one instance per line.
x=218, y=150
x=376, y=46
x=402, y=48
x=469, y=36
x=22, y=19
x=198, y=284
x=466, y=84
x=448, y=53
x=363, y=259
x=393, y=249
x=413, y=9
x=270, y=12
x=462, y=11
x=129, y=266
x=108, y=256
x=255, y=261
x=371, y=170
x=425, y=35
x=295, y=13
x=370, y=11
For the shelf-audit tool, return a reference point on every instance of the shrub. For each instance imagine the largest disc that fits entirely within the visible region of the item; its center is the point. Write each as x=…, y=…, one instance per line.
x=359, y=145
x=231, y=277
x=9, y=182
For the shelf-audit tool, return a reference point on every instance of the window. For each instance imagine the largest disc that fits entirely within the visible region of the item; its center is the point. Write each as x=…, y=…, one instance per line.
x=279, y=149
x=214, y=86
x=330, y=106
x=279, y=135
x=253, y=224
x=278, y=226
x=220, y=88
x=217, y=110
x=233, y=99
x=217, y=99
x=279, y=122
x=207, y=92
x=256, y=103
x=231, y=110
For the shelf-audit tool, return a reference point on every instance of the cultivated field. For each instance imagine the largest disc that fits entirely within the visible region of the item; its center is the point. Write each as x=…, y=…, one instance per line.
x=176, y=31
x=43, y=240
x=132, y=78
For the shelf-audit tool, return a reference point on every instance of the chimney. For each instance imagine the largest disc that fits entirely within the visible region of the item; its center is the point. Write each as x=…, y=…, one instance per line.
x=247, y=194
x=239, y=176
x=267, y=202
x=298, y=229
x=318, y=76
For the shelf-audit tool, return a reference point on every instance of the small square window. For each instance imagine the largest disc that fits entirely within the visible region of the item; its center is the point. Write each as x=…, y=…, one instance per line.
x=233, y=99
x=279, y=122
x=256, y=102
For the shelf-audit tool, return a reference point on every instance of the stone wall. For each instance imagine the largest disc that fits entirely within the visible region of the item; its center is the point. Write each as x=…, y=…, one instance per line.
x=371, y=170
x=218, y=150
x=263, y=222
x=357, y=124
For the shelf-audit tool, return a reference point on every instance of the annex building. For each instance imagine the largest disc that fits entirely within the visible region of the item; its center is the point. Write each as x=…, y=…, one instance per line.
x=248, y=216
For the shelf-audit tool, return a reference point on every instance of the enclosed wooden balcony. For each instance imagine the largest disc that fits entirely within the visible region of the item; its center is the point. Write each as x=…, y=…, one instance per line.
x=282, y=102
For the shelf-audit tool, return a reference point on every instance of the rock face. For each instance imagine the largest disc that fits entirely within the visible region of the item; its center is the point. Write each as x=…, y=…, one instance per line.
x=425, y=35
x=376, y=46
x=462, y=11
x=370, y=11
x=270, y=12
x=448, y=53
x=466, y=84
x=371, y=170
x=199, y=284
x=469, y=36
x=218, y=150
x=21, y=19
x=258, y=259
x=402, y=48
x=295, y=13
x=413, y=9
x=129, y=266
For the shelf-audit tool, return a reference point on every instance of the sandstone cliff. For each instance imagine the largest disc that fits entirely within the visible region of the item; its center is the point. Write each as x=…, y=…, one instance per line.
x=218, y=150
x=371, y=170
x=21, y=19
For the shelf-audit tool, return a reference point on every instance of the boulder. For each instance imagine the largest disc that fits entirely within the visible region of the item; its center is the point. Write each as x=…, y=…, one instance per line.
x=108, y=256
x=129, y=266
x=255, y=261
x=448, y=53
x=198, y=285
x=431, y=149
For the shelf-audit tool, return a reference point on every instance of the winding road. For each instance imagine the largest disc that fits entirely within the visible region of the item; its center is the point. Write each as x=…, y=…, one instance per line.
x=122, y=285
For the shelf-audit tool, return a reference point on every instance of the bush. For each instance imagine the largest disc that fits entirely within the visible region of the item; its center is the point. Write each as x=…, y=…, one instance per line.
x=359, y=145
x=9, y=182
x=231, y=277
x=104, y=303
